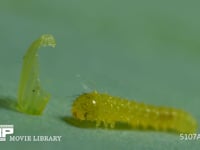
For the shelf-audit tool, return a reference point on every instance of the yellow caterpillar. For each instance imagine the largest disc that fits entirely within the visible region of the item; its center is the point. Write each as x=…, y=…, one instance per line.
x=106, y=109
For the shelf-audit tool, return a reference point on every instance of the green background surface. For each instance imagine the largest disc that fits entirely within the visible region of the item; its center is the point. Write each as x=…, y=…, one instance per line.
x=143, y=50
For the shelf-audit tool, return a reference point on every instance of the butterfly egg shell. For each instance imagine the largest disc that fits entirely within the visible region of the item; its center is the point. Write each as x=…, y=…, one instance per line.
x=32, y=99
x=106, y=109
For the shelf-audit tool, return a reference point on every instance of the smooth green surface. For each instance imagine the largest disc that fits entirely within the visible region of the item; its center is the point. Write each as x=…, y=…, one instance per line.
x=143, y=50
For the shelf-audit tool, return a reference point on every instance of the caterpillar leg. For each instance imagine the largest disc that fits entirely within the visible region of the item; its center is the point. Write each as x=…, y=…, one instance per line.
x=98, y=123
x=139, y=124
x=110, y=124
x=106, y=124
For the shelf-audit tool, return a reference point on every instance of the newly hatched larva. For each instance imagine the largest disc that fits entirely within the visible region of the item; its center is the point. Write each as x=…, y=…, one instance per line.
x=106, y=109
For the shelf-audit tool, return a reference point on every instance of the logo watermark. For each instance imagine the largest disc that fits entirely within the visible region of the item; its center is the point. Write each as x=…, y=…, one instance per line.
x=5, y=130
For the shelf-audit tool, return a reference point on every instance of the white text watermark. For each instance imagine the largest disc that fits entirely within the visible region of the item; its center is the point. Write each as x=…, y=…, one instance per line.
x=190, y=136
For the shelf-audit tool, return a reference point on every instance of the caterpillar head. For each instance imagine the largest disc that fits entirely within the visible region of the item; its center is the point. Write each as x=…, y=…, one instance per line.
x=85, y=107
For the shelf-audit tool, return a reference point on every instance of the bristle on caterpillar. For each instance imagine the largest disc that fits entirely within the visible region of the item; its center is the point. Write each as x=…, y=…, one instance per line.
x=106, y=109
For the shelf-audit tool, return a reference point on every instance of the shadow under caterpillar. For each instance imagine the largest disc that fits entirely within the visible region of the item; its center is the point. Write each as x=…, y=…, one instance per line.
x=106, y=109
